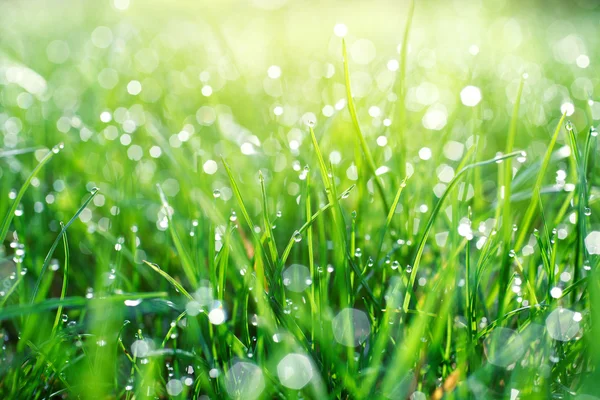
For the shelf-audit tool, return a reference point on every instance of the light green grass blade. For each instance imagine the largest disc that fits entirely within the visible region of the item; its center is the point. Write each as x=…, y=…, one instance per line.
x=57, y=240
x=401, y=89
x=435, y=212
x=11, y=212
x=14, y=311
x=526, y=221
x=186, y=262
x=359, y=135
x=169, y=279
x=63, y=291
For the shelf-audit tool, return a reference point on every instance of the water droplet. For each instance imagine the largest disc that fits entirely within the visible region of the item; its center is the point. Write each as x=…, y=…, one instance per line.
x=233, y=216
x=216, y=193
x=569, y=126
x=395, y=264
x=297, y=236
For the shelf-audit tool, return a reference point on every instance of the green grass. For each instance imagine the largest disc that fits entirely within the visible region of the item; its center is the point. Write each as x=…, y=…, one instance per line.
x=353, y=225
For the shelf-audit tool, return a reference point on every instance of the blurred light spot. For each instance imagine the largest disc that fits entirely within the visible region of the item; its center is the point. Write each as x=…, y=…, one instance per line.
x=295, y=371
x=425, y=153
x=362, y=51
x=592, y=242
x=561, y=324
x=296, y=278
x=58, y=51
x=340, y=30
x=470, y=96
x=435, y=118
x=121, y=4
x=206, y=91
x=210, y=167
x=351, y=327
x=374, y=111
x=244, y=380
x=174, y=387
x=567, y=108
x=102, y=37
x=134, y=88
x=393, y=65
x=217, y=315
x=503, y=347
x=583, y=61
x=105, y=117
x=274, y=72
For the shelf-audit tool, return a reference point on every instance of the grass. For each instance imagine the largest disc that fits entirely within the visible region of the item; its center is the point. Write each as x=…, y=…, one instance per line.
x=405, y=223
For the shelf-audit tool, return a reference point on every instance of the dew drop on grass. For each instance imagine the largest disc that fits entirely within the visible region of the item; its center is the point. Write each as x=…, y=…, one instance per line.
x=244, y=380
x=587, y=211
x=569, y=126
x=64, y=318
x=593, y=131
x=297, y=236
x=370, y=262
x=216, y=193
x=351, y=327
x=357, y=252
x=395, y=264
x=233, y=216
x=54, y=265
x=295, y=371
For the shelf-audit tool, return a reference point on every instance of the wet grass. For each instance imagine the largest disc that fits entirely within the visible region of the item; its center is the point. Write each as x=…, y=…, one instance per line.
x=352, y=253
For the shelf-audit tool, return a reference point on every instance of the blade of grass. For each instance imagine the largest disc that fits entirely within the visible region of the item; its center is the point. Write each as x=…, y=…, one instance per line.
x=401, y=89
x=526, y=220
x=434, y=213
x=57, y=240
x=358, y=131
x=13, y=311
x=11, y=212
x=186, y=261
x=63, y=291
x=506, y=206
x=169, y=279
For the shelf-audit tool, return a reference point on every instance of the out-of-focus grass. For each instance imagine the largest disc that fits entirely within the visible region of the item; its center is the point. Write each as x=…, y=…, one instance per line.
x=279, y=199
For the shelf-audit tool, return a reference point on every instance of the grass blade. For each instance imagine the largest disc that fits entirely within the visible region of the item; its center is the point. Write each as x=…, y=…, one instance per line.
x=11, y=212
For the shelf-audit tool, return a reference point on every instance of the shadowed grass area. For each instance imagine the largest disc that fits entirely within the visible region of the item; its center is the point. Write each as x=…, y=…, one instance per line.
x=305, y=200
